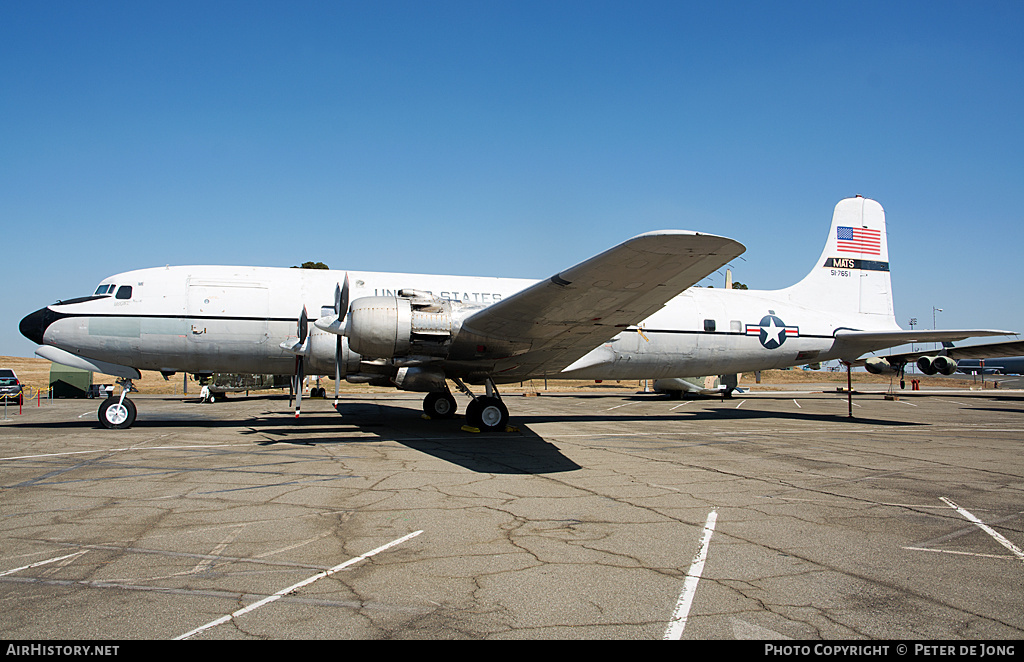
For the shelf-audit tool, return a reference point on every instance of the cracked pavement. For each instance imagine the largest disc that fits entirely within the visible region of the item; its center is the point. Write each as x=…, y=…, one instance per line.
x=581, y=524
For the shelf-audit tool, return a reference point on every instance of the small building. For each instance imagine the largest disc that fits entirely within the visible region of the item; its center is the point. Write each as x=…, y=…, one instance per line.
x=67, y=382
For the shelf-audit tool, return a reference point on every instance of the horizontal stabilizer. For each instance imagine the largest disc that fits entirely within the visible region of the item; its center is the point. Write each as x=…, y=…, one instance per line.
x=901, y=337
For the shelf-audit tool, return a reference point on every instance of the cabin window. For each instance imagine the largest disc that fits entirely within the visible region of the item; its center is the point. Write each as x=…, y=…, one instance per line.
x=737, y=326
x=709, y=326
x=124, y=292
x=104, y=289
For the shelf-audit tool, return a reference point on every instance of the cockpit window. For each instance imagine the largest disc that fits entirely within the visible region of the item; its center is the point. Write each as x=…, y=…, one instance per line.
x=123, y=292
x=104, y=289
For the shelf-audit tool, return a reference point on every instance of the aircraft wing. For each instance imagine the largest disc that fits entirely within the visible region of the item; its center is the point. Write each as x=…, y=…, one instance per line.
x=990, y=351
x=986, y=351
x=547, y=326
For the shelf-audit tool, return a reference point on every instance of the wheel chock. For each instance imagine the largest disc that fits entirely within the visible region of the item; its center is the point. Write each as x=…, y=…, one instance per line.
x=470, y=428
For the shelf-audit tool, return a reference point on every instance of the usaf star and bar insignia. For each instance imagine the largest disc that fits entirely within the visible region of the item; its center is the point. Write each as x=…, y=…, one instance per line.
x=772, y=331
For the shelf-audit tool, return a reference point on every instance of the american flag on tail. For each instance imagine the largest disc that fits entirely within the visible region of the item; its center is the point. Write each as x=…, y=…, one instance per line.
x=859, y=240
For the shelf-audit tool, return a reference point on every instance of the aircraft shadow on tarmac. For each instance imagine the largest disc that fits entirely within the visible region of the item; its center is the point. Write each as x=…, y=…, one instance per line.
x=728, y=412
x=519, y=452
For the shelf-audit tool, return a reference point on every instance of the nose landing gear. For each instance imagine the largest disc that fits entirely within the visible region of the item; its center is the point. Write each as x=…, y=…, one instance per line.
x=118, y=412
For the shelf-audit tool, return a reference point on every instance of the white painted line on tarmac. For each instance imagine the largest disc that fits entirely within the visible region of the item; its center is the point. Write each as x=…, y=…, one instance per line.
x=294, y=587
x=1017, y=551
x=955, y=552
x=39, y=563
x=797, y=403
x=740, y=404
x=681, y=405
x=682, y=611
x=118, y=450
x=622, y=405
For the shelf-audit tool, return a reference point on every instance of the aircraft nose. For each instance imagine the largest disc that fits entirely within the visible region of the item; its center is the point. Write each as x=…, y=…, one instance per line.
x=34, y=325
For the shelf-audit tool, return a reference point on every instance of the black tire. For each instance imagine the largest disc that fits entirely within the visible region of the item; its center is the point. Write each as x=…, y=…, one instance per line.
x=440, y=405
x=487, y=414
x=117, y=415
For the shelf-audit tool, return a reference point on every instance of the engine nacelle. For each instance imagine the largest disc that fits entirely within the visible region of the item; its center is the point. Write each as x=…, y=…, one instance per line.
x=410, y=324
x=931, y=365
x=323, y=347
x=877, y=366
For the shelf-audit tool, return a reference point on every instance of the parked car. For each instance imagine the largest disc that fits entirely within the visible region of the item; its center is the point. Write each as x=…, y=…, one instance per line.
x=10, y=386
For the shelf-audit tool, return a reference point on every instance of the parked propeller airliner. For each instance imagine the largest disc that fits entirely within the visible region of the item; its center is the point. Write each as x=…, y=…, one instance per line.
x=631, y=312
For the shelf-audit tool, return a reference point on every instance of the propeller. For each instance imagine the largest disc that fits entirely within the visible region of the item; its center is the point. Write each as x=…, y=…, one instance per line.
x=300, y=361
x=299, y=348
x=340, y=309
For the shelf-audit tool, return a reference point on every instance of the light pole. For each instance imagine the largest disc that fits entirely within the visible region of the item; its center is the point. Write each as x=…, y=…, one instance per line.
x=935, y=310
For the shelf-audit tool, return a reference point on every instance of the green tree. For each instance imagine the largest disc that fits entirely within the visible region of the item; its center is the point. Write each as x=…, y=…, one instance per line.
x=312, y=265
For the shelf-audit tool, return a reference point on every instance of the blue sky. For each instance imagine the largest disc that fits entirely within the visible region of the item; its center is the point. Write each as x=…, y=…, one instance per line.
x=509, y=138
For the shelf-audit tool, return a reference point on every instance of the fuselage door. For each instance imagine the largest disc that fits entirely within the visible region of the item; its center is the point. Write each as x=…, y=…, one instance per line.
x=228, y=312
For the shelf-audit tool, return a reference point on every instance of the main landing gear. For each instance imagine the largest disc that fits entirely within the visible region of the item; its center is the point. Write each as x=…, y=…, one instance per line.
x=118, y=412
x=486, y=413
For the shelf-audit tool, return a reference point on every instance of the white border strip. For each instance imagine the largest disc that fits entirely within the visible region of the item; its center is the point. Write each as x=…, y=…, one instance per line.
x=682, y=611
x=987, y=529
x=305, y=582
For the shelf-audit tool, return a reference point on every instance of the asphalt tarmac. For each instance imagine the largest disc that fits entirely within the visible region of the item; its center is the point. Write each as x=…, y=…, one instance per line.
x=769, y=516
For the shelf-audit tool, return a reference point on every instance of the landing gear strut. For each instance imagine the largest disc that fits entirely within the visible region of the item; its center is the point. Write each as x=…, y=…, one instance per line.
x=118, y=412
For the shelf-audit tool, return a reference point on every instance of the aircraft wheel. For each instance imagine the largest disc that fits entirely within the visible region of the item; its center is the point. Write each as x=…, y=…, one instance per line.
x=117, y=415
x=439, y=405
x=487, y=413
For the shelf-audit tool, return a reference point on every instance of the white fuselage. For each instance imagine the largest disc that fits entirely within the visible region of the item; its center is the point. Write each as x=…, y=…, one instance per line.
x=233, y=319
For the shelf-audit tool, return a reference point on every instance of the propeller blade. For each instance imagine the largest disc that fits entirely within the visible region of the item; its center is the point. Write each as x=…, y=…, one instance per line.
x=299, y=378
x=300, y=362
x=337, y=370
x=340, y=311
x=303, y=326
x=341, y=300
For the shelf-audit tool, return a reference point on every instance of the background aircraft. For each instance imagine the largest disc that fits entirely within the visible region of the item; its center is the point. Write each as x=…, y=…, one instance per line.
x=952, y=359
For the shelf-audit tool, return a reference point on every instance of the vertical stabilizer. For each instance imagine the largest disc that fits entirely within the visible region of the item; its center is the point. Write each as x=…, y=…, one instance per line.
x=852, y=274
